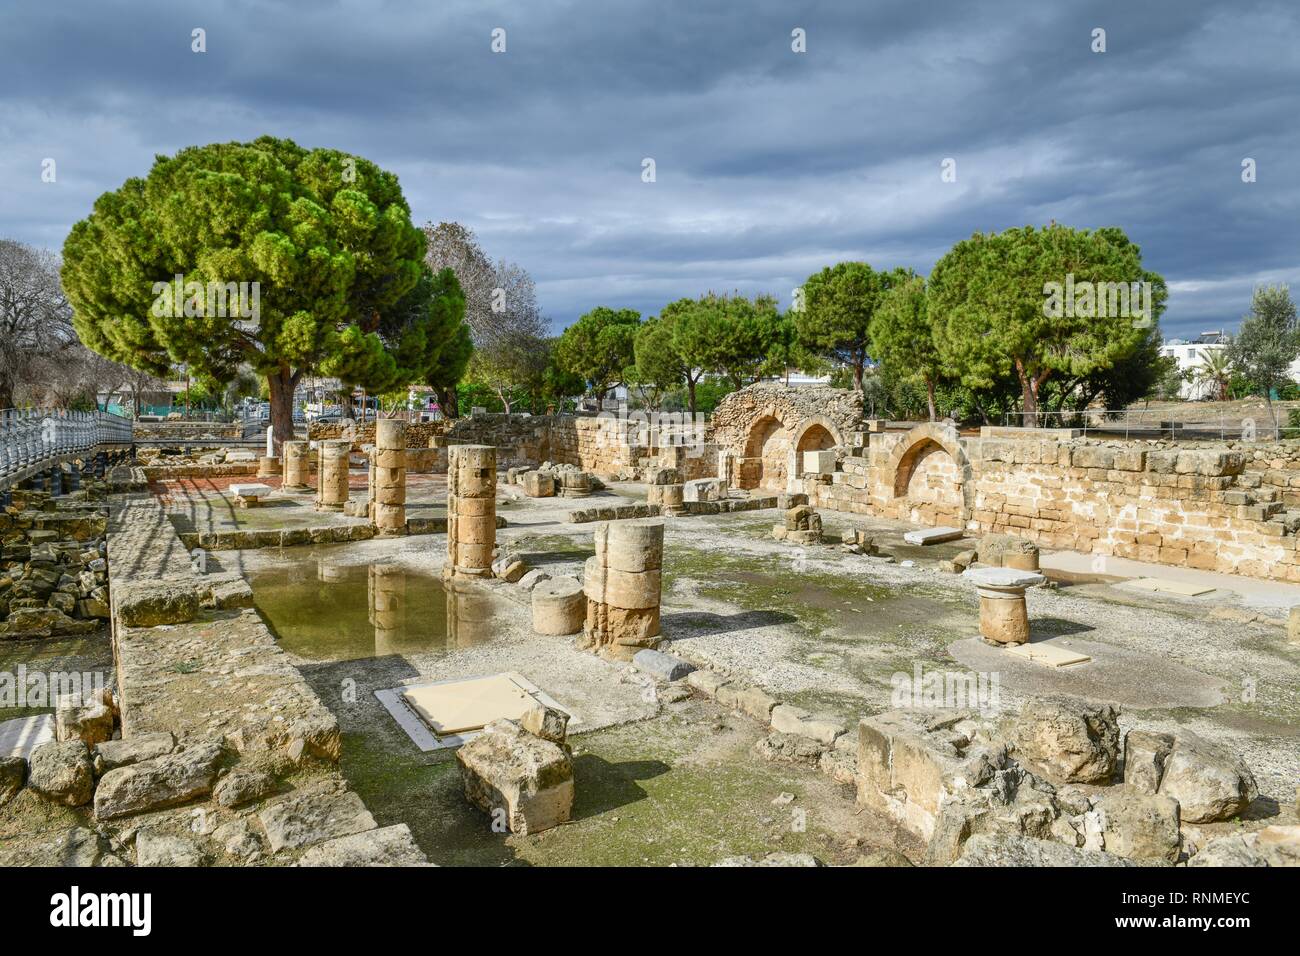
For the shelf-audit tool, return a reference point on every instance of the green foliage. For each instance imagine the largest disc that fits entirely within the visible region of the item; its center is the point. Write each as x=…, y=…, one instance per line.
x=838, y=305
x=599, y=346
x=902, y=336
x=731, y=336
x=990, y=297
x=659, y=366
x=327, y=237
x=1268, y=342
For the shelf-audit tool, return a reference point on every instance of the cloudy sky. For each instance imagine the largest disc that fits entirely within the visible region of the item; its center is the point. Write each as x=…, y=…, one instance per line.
x=769, y=163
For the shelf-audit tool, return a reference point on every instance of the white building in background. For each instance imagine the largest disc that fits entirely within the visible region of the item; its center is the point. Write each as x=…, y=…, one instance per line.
x=1191, y=357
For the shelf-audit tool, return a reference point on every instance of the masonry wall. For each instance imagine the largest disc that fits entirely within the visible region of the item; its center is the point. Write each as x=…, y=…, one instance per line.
x=1233, y=508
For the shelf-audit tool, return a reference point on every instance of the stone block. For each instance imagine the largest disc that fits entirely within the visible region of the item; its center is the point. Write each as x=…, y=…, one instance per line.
x=312, y=817
x=386, y=846
x=819, y=462
x=61, y=771
x=1067, y=739
x=515, y=776
x=1208, y=781
x=1145, y=754
x=159, y=782
x=662, y=666
x=151, y=603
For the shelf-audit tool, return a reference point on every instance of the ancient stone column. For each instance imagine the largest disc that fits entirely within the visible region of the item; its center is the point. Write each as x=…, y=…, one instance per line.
x=665, y=490
x=1003, y=616
x=575, y=484
x=332, y=494
x=297, y=465
x=471, y=511
x=389, y=476
x=623, y=583
x=268, y=466
x=559, y=606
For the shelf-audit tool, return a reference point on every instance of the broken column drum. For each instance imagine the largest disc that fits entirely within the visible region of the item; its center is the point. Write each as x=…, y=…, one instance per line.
x=623, y=586
x=333, y=477
x=389, y=476
x=559, y=606
x=575, y=484
x=1004, y=618
x=471, y=511
x=666, y=491
x=297, y=464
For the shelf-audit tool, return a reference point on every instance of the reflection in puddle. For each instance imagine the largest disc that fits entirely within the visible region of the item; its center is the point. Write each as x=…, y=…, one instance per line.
x=322, y=609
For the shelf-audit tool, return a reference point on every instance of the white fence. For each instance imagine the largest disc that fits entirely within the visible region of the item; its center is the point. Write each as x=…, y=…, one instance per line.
x=34, y=439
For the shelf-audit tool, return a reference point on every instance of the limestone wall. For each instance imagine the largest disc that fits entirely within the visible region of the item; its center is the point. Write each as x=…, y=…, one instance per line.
x=151, y=432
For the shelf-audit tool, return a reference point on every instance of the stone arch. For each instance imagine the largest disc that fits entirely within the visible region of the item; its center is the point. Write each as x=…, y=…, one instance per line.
x=816, y=434
x=766, y=448
x=928, y=458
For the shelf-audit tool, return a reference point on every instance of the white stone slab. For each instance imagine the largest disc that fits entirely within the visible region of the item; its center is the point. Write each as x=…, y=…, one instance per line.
x=241, y=455
x=251, y=490
x=1049, y=655
x=20, y=736
x=933, y=535
x=819, y=462
x=1168, y=586
x=1003, y=577
x=423, y=736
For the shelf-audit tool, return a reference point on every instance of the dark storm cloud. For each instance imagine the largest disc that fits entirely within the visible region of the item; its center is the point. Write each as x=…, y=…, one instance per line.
x=770, y=164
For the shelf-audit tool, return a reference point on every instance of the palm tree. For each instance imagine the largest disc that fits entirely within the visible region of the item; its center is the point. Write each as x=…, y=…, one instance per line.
x=1215, y=370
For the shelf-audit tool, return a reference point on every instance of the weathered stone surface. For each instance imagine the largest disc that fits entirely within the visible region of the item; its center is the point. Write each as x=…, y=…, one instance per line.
x=559, y=606
x=154, y=848
x=549, y=723
x=511, y=773
x=1144, y=759
x=663, y=666
x=112, y=754
x=933, y=535
x=91, y=723
x=76, y=846
x=159, y=782
x=1069, y=740
x=911, y=762
x=151, y=603
x=312, y=817
x=387, y=846
x=1293, y=625
x=13, y=774
x=1020, y=851
x=61, y=771
x=1272, y=846
x=1140, y=826
x=238, y=838
x=706, y=682
x=24, y=623
x=243, y=785
x=789, y=719
x=1208, y=781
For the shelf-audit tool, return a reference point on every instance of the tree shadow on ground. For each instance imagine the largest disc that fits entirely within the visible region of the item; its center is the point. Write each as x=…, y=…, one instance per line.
x=602, y=786
x=1044, y=628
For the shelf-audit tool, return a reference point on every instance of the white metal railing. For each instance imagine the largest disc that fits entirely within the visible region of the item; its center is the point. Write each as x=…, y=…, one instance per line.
x=1147, y=422
x=32, y=439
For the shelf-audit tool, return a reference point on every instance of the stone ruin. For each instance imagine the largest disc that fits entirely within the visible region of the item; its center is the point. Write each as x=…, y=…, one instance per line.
x=550, y=479
x=471, y=511
x=388, y=477
x=297, y=465
x=665, y=489
x=622, y=582
x=1046, y=775
x=520, y=773
x=332, y=475
x=802, y=525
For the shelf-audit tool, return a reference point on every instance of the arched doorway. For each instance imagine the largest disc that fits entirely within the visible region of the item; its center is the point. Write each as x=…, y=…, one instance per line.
x=931, y=481
x=816, y=437
x=763, y=465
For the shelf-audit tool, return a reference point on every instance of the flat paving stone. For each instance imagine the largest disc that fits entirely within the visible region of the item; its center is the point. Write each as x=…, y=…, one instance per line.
x=20, y=736
x=933, y=535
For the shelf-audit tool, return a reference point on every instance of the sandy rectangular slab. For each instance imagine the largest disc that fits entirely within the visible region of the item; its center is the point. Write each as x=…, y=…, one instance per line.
x=933, y=535
x=1049, y=655
x=1168, y=586
x=20, y=736
x=443, y=714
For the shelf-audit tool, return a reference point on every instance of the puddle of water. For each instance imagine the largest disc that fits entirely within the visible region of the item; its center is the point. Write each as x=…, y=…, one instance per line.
x=322, y=609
